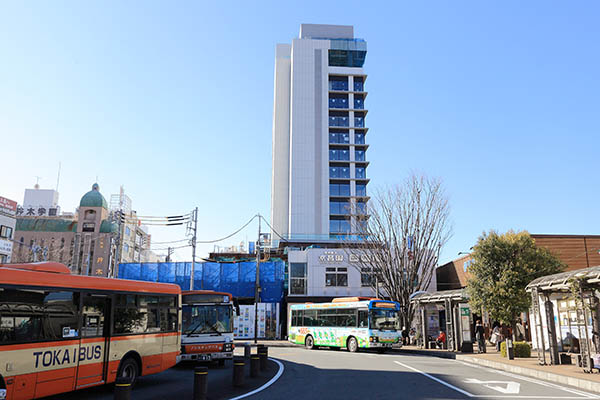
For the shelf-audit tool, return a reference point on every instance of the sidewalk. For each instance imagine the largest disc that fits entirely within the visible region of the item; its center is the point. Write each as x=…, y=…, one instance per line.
x=571, y=375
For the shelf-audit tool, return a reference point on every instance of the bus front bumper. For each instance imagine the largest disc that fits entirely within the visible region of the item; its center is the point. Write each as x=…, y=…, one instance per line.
x=205, y=356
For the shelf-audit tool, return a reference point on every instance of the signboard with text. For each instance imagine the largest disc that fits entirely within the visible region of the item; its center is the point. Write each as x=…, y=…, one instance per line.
x=8, y=206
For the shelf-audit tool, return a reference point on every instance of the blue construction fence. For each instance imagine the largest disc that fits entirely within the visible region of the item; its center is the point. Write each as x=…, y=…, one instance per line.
x=235, y=278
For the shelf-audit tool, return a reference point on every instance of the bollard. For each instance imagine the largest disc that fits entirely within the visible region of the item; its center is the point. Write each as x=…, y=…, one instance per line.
x=200, y=383
x=254, y=365
x=510, y=351
x=122, y=389
x=263, y=354
x=238, y=371
x=247, y=350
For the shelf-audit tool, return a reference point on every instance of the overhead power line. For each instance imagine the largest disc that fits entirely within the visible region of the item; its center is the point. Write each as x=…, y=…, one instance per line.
x=274, y=231
x=228, y=236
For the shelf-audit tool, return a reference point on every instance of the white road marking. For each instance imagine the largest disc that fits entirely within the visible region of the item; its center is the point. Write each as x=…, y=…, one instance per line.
x=506, y=387
x=266, y=385
x=436, y=379
x=580, y=395
x=532, y=380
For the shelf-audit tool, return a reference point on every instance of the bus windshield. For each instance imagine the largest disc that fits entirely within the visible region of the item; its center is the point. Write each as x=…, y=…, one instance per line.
x=207, y=319
x=384, y=319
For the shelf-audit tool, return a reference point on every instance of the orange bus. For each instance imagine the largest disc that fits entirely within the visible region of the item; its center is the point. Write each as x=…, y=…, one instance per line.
x=61, y=332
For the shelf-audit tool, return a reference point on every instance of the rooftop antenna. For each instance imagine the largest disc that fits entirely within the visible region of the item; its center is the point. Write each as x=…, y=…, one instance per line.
x=37, y=182
x=58, y=177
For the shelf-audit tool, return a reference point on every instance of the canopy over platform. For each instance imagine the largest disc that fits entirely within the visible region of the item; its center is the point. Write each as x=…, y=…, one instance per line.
x=560, y=282
x=441, y=297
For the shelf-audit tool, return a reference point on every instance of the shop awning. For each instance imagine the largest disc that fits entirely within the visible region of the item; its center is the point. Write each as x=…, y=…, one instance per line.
x=441, y=297
x=560, y=281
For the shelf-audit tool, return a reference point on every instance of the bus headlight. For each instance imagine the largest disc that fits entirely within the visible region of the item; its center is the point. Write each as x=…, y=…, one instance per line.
x=373, y=339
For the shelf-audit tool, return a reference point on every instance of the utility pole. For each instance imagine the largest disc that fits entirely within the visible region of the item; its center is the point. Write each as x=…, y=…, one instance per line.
x=194, y=229
x=170, y=251
x=257, y=286
x=120, y=217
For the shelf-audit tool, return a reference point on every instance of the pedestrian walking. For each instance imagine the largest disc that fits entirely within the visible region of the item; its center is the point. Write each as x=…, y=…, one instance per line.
x=480, y=336
x=404, y=336
x=496, y=336
x=520, y=330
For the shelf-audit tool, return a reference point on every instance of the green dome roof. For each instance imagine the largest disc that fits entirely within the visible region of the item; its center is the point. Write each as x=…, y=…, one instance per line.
x=93, y=198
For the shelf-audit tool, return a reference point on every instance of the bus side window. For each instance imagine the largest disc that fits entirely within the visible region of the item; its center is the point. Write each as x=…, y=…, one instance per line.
x=363, y=319
x=294, y=318
x=94, y=311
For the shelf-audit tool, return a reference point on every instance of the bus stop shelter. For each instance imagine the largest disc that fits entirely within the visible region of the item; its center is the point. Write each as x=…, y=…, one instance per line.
x=564, y=314
x=457, y=317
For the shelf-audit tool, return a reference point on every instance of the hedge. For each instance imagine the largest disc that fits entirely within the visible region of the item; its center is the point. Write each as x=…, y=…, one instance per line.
x=521, y=349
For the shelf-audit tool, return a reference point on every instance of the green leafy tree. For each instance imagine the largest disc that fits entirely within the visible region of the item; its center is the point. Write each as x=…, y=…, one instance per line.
x=503, y=265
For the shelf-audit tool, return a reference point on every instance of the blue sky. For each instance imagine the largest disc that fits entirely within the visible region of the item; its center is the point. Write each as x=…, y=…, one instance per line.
x=174, y=101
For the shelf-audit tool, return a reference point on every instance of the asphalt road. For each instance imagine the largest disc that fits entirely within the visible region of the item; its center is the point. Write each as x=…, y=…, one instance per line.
x=331, y=374
x=338, y=374
x=177, y=383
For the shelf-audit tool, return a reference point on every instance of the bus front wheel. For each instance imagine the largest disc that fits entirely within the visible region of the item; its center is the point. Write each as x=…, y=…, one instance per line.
x=352, y=344
x=309, y=342
x=129, y=369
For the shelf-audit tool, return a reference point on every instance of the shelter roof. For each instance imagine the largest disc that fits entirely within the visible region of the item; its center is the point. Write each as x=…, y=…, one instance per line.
x=560, y=281
x=441, y=296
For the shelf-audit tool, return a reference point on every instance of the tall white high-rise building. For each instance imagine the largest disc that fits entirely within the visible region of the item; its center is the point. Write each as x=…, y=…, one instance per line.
x=319, y=176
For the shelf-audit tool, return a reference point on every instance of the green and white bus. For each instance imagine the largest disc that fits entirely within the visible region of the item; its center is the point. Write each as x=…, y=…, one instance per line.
x=346, y=322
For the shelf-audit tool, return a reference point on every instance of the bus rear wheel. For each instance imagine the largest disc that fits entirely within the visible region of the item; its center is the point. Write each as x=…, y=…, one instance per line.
x=352, y=344
x=309, y=342
x=129, y=369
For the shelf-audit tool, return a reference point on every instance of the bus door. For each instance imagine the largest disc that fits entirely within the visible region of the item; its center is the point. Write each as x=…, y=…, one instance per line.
x=95, y=340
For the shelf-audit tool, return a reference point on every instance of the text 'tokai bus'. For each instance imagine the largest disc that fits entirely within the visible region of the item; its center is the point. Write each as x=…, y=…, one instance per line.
x=350, y=322
x=207, y=326
x=61, y=332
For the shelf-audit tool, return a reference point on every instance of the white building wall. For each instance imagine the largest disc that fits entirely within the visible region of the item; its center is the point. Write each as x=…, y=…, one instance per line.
x=281, y=140
x=308, y=67
x=316, y=270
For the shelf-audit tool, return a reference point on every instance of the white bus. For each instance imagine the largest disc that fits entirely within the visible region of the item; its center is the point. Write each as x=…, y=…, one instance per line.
x=352, y=322
x=207, y=326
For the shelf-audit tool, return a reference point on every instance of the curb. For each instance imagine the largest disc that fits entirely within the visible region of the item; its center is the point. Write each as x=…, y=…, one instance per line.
x=438, y=354
x=534, y=373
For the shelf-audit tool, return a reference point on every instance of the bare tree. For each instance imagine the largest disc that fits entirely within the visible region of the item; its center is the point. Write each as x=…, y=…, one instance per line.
x=406, y=227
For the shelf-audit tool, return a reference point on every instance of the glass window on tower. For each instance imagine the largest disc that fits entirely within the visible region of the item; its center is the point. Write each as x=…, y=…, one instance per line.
x=359, y=138
x=339, y=137
x=361, y=189
x=359, y=84
x=359, y=121
x=338, y=83
x=361, y=208
x=338, y=101
x=339, y=189
x=359, y=102
x=339, y=154
x=339, y=171
x=360, y=173
x=339, y=208
x=359, y=155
